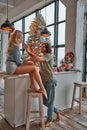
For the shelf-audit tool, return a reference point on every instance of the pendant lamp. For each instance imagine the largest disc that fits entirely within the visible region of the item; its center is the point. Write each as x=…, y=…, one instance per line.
x=45, y=32
x=7, y=26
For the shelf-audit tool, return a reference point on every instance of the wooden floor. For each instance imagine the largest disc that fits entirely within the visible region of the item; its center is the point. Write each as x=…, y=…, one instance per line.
x=67, y=122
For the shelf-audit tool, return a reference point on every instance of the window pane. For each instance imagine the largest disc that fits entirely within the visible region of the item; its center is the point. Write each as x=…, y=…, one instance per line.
x=62, y=11
x=61, y=54
x=61, y=33
x=53, y=51
x=43, y=13
x=48, y=14
x=18, y=25
x=51, y=29
x=28, y=21
x=26, y=37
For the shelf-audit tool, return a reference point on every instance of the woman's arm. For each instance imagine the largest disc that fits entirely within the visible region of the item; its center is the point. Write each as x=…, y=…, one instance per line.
x=17, y=56
x=28, y=50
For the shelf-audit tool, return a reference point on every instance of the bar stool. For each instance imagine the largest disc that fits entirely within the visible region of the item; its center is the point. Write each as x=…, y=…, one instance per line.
x=32, y=95
x=81, y=85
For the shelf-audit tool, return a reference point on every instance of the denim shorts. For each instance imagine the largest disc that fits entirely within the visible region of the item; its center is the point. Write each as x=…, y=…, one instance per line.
x=10, y=67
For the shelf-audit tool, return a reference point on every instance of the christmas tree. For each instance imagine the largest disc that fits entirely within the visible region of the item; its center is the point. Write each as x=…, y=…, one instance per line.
x=34, y=39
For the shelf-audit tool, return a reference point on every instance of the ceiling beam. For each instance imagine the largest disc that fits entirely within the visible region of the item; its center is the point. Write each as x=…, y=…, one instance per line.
x=4, y=3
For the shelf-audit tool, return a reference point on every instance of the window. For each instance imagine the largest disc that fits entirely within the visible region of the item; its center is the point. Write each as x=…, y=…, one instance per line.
x=62, y=11
x=61, y=26
x=18, y=25
x=56, y=25
x=61, y=33
x=55, y=17
x=60, y=54
x=48, y=14
x=28, y=21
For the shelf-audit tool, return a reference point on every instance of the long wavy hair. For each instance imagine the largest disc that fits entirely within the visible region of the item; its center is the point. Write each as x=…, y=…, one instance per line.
x=48, y=47
x=13, y=39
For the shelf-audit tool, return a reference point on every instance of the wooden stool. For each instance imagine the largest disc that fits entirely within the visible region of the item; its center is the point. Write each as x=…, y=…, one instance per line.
x=31, y=95
x=81, y=85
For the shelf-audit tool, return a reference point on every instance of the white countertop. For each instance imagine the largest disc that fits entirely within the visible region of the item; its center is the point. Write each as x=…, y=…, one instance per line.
x=65, y=72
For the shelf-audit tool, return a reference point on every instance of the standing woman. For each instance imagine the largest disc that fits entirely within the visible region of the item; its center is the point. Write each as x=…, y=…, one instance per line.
x=17, y=64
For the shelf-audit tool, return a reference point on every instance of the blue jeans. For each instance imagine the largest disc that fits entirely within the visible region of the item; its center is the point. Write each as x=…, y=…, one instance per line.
x=50, y=89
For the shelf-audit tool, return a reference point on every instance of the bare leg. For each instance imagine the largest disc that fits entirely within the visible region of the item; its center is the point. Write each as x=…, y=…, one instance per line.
x=31, y=75
x=32, y=83
x=28, y=63
x=32, y=69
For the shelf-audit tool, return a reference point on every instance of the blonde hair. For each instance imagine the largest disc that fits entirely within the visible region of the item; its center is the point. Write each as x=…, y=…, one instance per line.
x=14, y=39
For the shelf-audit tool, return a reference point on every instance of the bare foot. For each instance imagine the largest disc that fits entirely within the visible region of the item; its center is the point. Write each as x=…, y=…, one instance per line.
x=34, y=88
x=43, y=92
x=58, y=115
x=48, y=123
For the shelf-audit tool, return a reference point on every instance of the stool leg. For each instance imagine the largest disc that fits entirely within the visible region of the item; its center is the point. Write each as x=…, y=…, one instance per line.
x=41, y=111
x=80, y=100
x=74, y=91
x=28, y=112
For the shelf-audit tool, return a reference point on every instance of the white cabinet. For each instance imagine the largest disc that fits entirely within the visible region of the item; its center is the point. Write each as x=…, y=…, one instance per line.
x=64, y=88
x=15, y=99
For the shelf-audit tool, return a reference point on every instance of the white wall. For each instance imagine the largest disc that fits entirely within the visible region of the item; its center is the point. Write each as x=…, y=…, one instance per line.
x=4, y=47
x=79, y=33
x=70, y=24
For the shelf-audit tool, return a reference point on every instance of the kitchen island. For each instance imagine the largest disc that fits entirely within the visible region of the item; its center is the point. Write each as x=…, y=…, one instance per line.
x=16, y=96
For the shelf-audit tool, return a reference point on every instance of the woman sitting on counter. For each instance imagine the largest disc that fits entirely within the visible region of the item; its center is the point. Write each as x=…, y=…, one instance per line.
x=17, y=64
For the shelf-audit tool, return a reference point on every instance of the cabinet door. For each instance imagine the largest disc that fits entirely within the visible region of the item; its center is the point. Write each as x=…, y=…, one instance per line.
x=15, y=99
x=9, y=102
x=64, y=88
x=21, y=86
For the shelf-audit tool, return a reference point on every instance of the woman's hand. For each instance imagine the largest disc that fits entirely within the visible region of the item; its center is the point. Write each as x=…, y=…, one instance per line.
x=26, y=47
x=28, y=50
